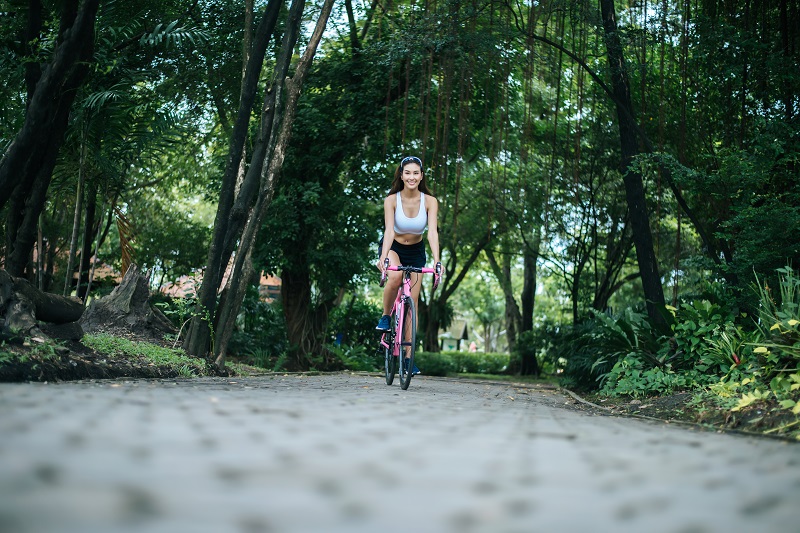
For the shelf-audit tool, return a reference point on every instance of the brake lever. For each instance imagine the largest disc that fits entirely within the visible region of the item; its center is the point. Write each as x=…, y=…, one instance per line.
x=385, y=273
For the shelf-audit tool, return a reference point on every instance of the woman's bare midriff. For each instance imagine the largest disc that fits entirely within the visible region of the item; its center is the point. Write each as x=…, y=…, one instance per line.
x=408, y=238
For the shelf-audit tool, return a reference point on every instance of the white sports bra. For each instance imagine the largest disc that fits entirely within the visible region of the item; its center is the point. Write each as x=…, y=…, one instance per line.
x=414, y=226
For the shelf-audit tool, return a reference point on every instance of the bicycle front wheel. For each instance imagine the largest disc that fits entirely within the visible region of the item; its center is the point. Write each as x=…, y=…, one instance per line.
x=408, y=342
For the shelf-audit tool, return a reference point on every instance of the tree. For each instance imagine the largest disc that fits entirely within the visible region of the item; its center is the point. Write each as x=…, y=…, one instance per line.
x=634, y=187
x=242, y=267
x=27, y=165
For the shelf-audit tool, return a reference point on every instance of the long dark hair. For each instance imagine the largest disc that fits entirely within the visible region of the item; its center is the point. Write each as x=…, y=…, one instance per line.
x=397, y=182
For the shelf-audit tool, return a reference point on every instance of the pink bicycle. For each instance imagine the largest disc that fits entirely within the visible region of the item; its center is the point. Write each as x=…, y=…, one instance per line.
x=402, y=337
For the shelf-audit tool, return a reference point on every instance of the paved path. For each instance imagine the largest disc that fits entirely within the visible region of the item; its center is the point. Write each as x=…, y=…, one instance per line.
x=345, y=453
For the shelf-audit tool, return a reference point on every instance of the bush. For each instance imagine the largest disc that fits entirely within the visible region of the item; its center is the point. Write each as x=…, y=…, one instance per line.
x=355, y=321
x=631, y=377
x=435, y=363
x=779, y=320
x=480, y=362
x=260, y=335
x=358, y=358
x=586, y=352
x=177, y=310
x=452, y=362
x=529, y=347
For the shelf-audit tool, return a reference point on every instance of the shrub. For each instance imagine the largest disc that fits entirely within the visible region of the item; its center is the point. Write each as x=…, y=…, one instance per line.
x=480, y=362
x=355, y=321
x=452, y=362
x=779, y=320
x=529, y=347
x=630, y=376
x=586, y=352
x=435, y=363
x=358, y=358
x=260, y=335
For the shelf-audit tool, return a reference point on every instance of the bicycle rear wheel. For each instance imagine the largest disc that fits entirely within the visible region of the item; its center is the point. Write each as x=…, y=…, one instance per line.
x=390, y=360
x=407, y=343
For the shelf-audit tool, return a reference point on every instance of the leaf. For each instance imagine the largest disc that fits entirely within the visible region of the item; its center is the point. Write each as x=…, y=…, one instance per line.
x=761, y=349
x=777, y=325
x=786, y=404
x=793, y=322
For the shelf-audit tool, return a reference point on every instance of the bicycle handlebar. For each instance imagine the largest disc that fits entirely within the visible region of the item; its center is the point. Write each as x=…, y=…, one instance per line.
x=423, y=270
x=418, y=270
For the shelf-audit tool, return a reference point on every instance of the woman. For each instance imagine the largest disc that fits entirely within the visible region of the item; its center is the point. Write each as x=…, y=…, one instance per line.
x=407, y=211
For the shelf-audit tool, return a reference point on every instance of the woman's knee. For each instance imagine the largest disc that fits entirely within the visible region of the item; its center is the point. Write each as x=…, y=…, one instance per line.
x=394, y=280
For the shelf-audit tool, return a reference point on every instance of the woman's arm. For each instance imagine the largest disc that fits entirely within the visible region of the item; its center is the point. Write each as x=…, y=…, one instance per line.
x=433, y=226
x=388, y=229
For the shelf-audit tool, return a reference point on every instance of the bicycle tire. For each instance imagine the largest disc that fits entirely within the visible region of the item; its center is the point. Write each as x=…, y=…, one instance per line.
x=389, y=359
x=407, y=370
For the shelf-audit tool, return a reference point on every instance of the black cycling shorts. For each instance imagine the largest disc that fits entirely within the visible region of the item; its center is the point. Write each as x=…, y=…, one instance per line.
x=409, y=254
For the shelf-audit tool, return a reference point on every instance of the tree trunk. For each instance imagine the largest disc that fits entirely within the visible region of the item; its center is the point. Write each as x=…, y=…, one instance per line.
x=306, y=320
x=88, y=238
x=198, y=336
x=271, y=171
x=271, y=112
x=30, y=196
x=512, y=314
x=528, y=364
x=127, y=309
x=634, y=187
x=55, y=89
x=528, y=296
x=22, y=306
x=228, y=312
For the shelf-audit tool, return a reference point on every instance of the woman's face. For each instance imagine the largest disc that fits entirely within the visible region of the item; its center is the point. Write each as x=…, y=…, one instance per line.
x=412, y=175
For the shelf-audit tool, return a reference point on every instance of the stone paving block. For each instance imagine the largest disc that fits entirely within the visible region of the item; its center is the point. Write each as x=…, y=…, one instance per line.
x=346, y=453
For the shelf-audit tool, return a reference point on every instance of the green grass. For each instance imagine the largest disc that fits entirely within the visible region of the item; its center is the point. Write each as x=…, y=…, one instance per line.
x=169, y=357
x=515, y=379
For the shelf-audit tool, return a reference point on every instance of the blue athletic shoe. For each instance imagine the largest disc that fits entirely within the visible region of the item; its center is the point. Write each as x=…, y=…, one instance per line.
x=384, y=325
x=414, y=372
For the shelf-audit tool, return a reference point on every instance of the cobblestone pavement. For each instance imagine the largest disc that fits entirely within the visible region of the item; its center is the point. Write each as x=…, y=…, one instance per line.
x=346, y=453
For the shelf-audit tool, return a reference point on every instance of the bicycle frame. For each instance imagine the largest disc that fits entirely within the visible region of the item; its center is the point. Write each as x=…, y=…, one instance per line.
x=398, y=340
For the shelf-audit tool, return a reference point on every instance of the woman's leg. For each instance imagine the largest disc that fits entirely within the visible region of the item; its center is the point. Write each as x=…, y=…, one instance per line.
x=392, y=283
x=416, y=287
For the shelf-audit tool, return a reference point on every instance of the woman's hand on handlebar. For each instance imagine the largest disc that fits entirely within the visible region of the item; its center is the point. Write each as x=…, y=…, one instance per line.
x=437, y=277
x=382, y=266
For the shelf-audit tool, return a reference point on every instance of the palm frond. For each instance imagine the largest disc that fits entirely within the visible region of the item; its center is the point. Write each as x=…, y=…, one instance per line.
x=172, y=35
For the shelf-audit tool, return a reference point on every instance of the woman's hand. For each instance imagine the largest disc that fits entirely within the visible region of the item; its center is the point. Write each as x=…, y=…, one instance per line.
x=380, y=264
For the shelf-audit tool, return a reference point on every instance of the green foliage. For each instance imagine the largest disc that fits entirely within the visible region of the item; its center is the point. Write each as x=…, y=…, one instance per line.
x=6, y=357
x=358, y=357
x=778, y=320
x=354, y=322
x=260, y=335
x=704, y=335
x=172, y=243
x=479, y=362
x=352, y=335
x=585, y=353
x=530, y=344
x=177, y=310
x=454, y=362
x=436, y=363
x=173, y=358
x=631, y=376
